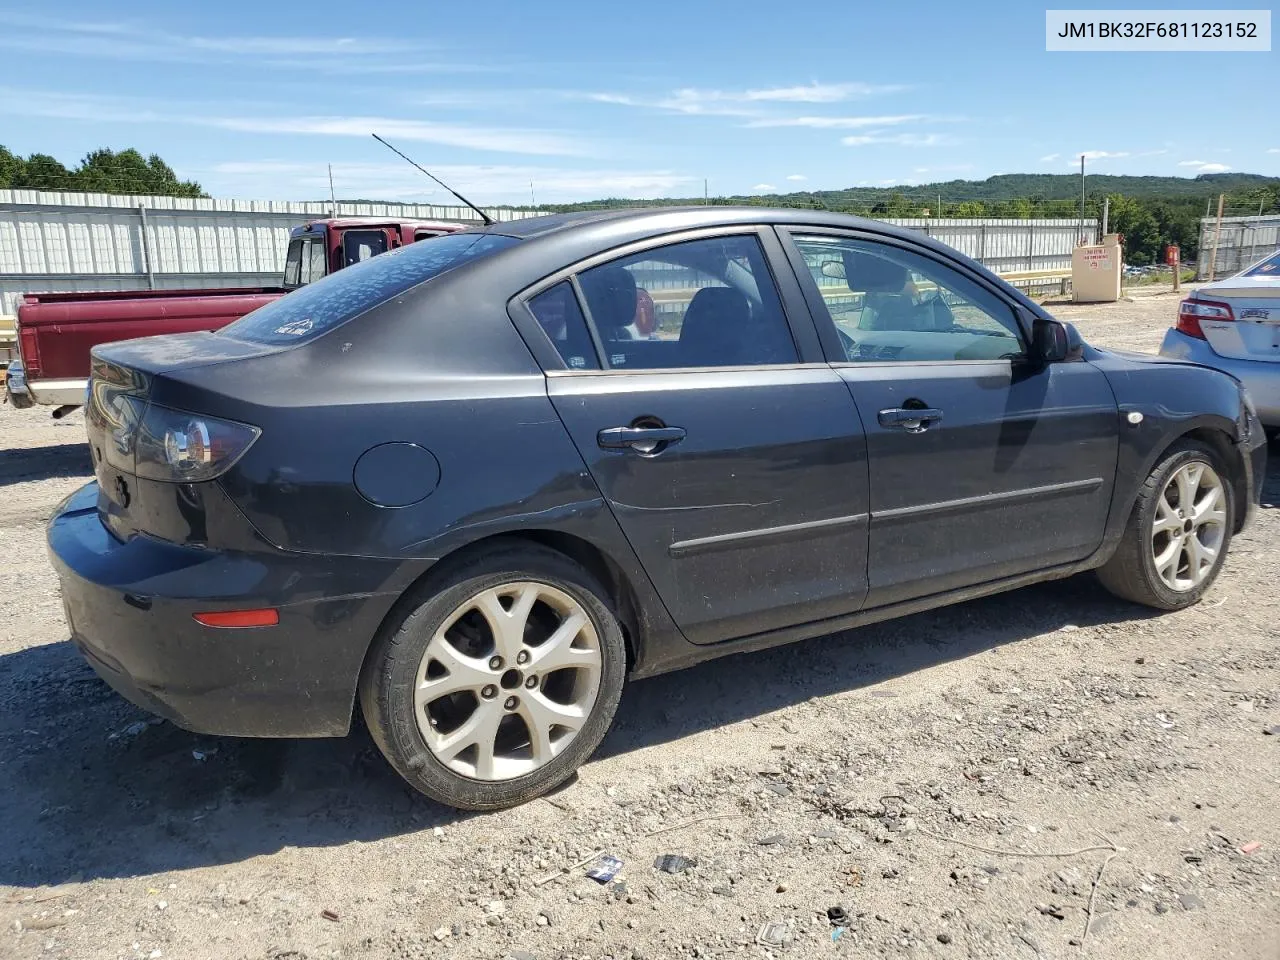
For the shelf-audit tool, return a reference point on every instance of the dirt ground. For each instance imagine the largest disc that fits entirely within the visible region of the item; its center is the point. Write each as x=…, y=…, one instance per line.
x=956, y=781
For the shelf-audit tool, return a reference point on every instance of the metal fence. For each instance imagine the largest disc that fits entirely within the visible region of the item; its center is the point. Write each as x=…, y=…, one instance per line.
x=1242, y=241
x=67, y=242
x=1010, y=246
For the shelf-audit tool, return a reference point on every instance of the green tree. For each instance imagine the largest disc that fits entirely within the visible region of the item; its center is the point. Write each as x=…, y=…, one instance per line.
x=1133, y=220
x=10, y=166
x=43, y=172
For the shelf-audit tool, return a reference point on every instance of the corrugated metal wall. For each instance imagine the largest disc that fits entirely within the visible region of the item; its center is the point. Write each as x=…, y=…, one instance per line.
x=1009, y=246
x=53, y=242
x=1243, y=241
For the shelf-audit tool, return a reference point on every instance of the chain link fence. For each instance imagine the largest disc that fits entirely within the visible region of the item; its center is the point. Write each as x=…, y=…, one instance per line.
x=1239, y=242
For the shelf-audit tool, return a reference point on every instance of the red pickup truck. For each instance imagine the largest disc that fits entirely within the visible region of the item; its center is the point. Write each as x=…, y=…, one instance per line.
x=57, y=330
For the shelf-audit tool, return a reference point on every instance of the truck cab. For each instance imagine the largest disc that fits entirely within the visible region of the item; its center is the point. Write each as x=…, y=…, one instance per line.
x=321, y=247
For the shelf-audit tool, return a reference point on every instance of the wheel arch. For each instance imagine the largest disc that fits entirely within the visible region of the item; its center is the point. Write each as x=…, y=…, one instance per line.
x=1217, y=438
x=592, y=558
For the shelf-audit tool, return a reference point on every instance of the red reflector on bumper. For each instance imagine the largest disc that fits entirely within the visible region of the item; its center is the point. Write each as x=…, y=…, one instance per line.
x=238, y=618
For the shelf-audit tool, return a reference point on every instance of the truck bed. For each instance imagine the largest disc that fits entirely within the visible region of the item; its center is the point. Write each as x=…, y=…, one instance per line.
x=57, y=330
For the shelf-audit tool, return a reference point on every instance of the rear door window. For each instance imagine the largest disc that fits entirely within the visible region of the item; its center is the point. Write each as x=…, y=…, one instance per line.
x=320, y=306
x=360, y=245
x=699, y=303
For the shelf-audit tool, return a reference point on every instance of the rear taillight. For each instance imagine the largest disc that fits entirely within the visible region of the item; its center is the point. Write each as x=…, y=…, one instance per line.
x=1192, y=311
x=29, y=350
x=180, y=447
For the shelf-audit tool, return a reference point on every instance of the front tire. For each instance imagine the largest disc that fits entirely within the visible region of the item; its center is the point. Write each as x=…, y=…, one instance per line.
x=499, y=681
x=1176, y=540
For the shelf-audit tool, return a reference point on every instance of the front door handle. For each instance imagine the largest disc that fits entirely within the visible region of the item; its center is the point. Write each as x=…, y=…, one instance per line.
x=912, y=421
x=646, y=440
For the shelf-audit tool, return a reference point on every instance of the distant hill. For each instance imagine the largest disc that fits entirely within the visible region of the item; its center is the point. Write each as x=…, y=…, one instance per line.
x=1003, y=189
x=1149, y=212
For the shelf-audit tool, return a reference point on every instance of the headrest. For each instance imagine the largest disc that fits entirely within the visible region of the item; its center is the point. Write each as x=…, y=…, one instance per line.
x=866, y=273
x=611, y=295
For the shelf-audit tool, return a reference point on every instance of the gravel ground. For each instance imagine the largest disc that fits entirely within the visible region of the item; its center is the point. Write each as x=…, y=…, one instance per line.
x=972, y=782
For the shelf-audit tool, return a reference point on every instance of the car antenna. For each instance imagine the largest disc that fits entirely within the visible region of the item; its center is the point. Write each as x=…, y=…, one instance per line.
x=485, y=218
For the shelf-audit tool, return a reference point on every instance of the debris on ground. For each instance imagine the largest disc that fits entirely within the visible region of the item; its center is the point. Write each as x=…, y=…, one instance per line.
x=605, y=869
x=329, y=915
x=673, y=863
x=838, y=916
x=775, y=934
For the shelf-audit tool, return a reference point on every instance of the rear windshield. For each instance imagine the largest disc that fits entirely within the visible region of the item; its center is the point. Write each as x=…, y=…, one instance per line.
x=320, y=306
x=1269, y=267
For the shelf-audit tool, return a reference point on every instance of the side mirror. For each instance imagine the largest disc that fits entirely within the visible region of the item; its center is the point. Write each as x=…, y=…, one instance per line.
x=1056, y=342
x=833, y=269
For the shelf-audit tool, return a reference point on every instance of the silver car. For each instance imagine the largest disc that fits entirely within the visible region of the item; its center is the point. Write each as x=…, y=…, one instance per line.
x=1234, y=325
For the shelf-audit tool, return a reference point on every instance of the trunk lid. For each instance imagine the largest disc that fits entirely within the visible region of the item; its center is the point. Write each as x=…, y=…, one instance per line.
x=122, y=379
x=1254, y=334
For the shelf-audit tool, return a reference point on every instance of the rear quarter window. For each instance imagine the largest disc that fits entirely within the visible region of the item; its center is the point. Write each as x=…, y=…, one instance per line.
x=320, y=306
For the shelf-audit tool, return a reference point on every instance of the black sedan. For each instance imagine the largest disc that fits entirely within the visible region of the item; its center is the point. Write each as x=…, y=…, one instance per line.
x=477, y=482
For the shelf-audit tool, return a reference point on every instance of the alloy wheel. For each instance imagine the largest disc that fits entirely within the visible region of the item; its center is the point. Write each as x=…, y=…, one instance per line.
x=507, y=681
x=1189, y=526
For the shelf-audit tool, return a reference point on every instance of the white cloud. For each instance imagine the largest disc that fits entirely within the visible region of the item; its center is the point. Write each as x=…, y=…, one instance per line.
x=398, y=181
x=133, y=42
x=452, y=135
x=837, y=123
x=126, y=110
x=896, y=139
x=691, y=102
x=743, y=103
x=1274, y=150
x=797, y=177
x=764, y=187
x=1203, y=166
x=821, y=92
x=1049, y=157
x=1097, y=155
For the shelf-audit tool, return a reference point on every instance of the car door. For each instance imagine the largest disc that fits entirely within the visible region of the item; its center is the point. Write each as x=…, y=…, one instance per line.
x=734, y=463
x=983, y=463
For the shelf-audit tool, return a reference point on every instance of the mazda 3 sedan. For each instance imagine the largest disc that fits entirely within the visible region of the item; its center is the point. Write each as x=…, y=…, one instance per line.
x=455, y=485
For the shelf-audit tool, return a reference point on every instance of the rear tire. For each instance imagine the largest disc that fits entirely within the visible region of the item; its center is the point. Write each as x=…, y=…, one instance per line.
x=1178, y=533
x=518, y=657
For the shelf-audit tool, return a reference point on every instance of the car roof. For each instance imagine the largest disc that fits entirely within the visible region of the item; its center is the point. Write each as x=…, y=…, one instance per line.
x=343, y=222
x=671, y=219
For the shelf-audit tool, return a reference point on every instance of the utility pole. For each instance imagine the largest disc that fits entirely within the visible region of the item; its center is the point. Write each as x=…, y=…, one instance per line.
x=706, y=196
x=333, y=203
x=1217, y=235
x=1106, y=213
x=1082, y=198
x=533, y=200
x=939, y=203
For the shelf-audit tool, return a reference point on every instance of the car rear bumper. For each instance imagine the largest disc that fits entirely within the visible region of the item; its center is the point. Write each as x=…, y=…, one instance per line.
x=129, y=607
x=58, y=393
x=1260, y=377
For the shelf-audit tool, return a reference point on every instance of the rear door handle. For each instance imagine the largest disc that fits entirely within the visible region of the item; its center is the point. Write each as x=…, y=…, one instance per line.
x=912, y=421
x=646, y=440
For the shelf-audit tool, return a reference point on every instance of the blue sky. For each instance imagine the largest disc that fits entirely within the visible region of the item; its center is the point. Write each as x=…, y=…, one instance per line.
x=591, y=99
